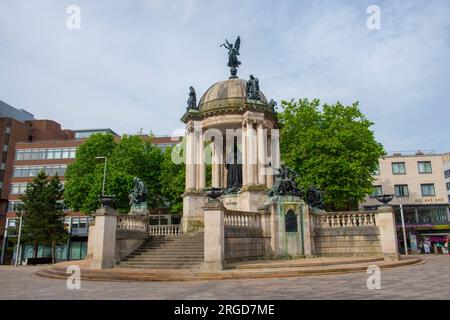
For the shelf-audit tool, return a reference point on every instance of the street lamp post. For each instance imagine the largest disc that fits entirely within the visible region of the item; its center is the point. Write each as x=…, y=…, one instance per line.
x=104, y=174
x=18, y=253
x=403, y=226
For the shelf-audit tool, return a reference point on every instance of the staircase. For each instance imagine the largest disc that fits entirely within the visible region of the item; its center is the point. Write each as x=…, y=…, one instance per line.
x=167, y=252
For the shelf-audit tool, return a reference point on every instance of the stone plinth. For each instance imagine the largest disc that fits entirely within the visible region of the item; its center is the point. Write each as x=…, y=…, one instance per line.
x=385, y=220
x=102, y=246
x=193, y=203
x=214, y=236
x=295, y=243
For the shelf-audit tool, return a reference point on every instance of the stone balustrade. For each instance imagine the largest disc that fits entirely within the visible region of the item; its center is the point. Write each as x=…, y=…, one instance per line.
x=132, y=223
x=344, y=219
x=164, y=230
x=242, y=219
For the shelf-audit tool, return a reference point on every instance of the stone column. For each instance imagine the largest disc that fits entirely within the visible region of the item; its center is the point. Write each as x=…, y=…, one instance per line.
x=214, y=231
x=261, y=154
x=190, y=162
x=216, y=166
x=200, y=162
x=275, y=141
x=269, y=176
x=385, y=221
x=244, y=153
x=251, y=155
x=104, y=242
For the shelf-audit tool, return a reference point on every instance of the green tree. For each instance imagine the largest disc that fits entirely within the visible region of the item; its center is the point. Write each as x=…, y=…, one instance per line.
x=43, y=219
x=131, y=156
x=84, y=176
x=333, y=149
x=172, y=179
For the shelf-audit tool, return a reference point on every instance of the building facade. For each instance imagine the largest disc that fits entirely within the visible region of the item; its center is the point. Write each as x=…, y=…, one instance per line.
x=417, y=182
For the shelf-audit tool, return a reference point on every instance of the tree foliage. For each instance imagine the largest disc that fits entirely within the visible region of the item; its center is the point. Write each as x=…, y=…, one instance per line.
x=333, y=149
x=43, y=218
x=131, y=156
x=172, y=180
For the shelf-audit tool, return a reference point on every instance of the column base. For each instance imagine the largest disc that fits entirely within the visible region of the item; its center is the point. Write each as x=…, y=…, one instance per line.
x=193, y=203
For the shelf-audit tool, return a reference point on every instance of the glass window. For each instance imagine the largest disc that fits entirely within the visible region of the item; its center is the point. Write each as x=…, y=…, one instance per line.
x=424, y=166
x=401, y=190
x=377, y=170
x=398, y=168
x=448, y=185
x=427, y=189
x=57, y=154
x=65, y=153
x=447, y=173
x=377, y=191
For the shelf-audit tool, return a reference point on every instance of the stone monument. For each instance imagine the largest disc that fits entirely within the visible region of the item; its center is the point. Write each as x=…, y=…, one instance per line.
x=138, y=198
x=234, y=117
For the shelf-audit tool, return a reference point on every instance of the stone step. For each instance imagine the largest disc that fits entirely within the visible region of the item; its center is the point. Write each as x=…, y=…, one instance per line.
x=157, y=266
x=165, y=254
x=147, y=257
x=162, y=261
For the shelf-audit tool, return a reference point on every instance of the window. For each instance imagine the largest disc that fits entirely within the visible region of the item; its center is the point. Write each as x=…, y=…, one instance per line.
x=448, y=185
x=447, y=173
x=427, y=189
x=18, y=188
x=377, y=170
x=398, y=168
x=377, y=191
x=32, y=171
x=401, y=190
x=13, y=206
x=39, y=154
x=424, y=166
x=291, y=222
x=8, y=130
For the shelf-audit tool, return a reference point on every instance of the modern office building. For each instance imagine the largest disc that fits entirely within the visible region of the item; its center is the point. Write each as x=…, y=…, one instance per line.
x=417, y=182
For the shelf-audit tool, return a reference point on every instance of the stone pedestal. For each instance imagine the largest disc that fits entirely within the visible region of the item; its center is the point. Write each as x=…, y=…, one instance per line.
x=193, y=203
x=290, y=243
x=385, y=221
x=103, y=242
x=214, y=236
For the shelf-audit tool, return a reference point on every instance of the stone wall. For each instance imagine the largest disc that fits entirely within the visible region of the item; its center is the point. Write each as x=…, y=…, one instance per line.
x=127, y=241
x=348, y=242
x=244, y=244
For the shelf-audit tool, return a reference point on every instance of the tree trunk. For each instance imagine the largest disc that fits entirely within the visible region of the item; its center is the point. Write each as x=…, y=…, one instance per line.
x=36, y=245
x=53, y=252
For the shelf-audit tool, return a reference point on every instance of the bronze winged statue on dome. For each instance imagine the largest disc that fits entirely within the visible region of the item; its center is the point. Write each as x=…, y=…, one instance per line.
x=233, y=52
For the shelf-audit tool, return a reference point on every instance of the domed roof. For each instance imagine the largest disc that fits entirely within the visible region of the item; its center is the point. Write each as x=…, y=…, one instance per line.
x=230, y=93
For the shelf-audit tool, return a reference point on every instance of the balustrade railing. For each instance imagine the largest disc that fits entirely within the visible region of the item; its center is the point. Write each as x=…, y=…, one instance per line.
x=132, y=223
x=242, y=219
x=344, y=220
x=164, y=230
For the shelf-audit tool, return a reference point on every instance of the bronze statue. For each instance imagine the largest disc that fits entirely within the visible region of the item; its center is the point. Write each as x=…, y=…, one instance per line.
x=285, y=183
x=233, y=52
x=234, y=171
x=192, y=101
x=272, y=105
x=138, y=195
x=314, y=198
x=252, y=88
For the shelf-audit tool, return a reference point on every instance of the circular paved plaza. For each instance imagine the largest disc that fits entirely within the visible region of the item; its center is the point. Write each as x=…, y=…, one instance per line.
x=429, y=280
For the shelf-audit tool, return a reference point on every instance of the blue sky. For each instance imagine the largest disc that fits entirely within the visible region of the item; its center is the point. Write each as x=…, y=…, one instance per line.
x=132, y=62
